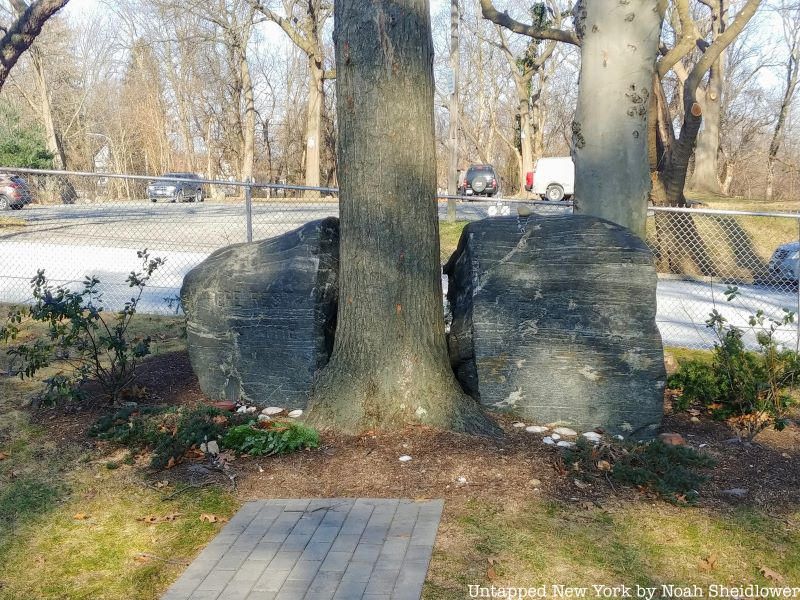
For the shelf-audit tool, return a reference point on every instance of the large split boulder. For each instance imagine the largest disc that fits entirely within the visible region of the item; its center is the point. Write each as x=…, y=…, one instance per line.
x=261, y=316
x=553, y=317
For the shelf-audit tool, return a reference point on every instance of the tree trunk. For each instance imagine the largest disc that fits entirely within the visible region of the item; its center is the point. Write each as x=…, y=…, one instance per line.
x=389, y=365
x=612, y=178
x=526, y=133
x=249, y=134
x=313, y=122
x=792, y=72
x=706, y=164
x=52, y=139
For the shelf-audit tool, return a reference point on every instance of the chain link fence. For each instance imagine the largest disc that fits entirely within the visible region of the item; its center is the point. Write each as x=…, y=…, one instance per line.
x=74, y=225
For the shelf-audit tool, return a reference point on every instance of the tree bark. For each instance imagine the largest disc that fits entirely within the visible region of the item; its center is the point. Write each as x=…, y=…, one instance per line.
x=705, y=177
x=52, y=139
x=612, y=177
x=249, y=134
x=313, y=121
x=19, y=37
x=389, y=366
x=525, y=130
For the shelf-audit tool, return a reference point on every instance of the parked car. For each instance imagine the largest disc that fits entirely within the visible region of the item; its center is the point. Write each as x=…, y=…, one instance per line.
x=785, y=263
x=480, y=180
x=175, y=188
x=14, y=192
x=552, y=178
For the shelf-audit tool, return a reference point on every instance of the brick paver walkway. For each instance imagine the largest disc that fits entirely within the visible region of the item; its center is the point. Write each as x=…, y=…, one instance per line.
x=372, y=549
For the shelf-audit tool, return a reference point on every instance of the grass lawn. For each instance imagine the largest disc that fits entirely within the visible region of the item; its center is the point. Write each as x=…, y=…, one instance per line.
x=449, y=234
x=514, y=516
x=11, y=222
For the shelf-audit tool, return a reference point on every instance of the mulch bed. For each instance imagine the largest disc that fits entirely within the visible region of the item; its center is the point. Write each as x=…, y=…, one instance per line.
x=514, y=469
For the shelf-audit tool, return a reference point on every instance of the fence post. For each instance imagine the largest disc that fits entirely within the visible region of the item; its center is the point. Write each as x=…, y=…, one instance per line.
x=248, y=209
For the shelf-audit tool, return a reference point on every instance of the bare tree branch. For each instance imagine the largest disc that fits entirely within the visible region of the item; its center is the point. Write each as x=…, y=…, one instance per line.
x=19, y=37
x=545, y=33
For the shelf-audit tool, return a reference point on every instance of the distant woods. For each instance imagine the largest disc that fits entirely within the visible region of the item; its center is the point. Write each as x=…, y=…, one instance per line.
x=240, y=88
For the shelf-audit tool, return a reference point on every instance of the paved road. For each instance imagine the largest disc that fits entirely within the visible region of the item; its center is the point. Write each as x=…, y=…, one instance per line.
x=70, y=242
x=187, y=227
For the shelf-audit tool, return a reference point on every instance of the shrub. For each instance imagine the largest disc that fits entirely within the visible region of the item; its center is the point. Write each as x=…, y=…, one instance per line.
x=669, y=471
x=94, y=345
x=169, y=432
x=752, y=389
x=270, y=437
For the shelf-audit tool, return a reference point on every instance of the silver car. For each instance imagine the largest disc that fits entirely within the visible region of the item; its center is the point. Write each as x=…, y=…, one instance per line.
x=182, y=188
x=785, y=263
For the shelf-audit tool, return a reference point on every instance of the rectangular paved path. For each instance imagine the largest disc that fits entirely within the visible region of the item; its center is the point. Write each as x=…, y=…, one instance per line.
x=340, y=548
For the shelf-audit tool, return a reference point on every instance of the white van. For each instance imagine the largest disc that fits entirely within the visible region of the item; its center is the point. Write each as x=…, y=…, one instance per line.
x=552, y=178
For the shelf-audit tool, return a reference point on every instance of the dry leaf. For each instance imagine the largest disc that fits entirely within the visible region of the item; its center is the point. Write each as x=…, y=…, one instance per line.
x=708, y=563
x=149, y=519
x=209, y=518
x=171, y=462
x=142, y=558
x=161, y=484
x=491, y=572
x=4, y=455
x=581, y=485
x=80, y=516
x=153, y=519
x=770, y=574
x=603, y=465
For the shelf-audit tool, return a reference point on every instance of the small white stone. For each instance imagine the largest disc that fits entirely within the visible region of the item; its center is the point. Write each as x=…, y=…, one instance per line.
x=296, y=413
x=548, y=440
x=203, y=448
x=565, y=431
x=592, y=436
x=536, y=429
x=555, y=436
x=272, y=410
x=619, y=437
x=251, y=410
x=461, y=480
x=405, y=458
x=241, y=410
x=518, y=425
x=213, y=448
x=262, y=418
x=565, y=444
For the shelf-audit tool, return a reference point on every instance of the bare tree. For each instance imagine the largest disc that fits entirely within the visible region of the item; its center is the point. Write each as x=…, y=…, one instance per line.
x=524, y=68
x=303, y=22
x=789, y=13
x=618, y=50
x=670, y=180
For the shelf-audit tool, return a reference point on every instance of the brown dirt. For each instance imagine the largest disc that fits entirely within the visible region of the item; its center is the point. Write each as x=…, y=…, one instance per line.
x=515, y=468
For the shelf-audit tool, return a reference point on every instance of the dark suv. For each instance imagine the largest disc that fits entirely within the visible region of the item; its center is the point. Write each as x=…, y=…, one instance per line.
x=169, y=187
x=14, y=192
x=480, y=180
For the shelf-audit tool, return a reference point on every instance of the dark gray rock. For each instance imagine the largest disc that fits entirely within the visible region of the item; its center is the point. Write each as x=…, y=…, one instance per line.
x=261, y=316
x=553, y=317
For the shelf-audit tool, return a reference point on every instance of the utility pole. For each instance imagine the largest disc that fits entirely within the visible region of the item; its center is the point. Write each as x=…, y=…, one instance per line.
x=452, y=175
